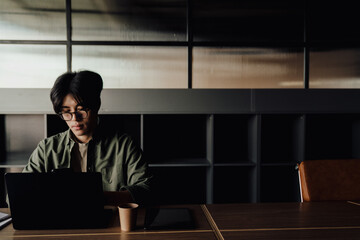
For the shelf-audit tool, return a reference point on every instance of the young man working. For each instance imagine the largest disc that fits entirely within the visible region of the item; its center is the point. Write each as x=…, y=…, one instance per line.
x=87, y=147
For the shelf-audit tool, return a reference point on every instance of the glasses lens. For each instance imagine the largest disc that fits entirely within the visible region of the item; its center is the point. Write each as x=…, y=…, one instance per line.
x=66, y=116
x=81, y=114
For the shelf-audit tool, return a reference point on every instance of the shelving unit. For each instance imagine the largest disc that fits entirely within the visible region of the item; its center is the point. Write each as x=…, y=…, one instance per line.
x=234, y=184
x=232, y=143
x=279, y=183
x=228, y=152
x=173, y=138
x=336, y=136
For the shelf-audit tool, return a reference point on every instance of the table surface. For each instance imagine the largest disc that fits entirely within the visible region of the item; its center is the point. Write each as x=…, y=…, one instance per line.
x=316, y=220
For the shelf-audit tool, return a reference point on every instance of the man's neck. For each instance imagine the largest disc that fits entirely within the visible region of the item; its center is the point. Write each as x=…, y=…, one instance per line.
x=81, y=139
x=84, y=138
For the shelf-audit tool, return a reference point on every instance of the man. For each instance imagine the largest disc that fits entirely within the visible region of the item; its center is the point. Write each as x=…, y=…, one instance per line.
x=87, y=147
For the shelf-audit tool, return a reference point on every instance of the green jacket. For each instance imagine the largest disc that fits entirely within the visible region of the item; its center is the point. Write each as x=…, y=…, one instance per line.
x=115, y=155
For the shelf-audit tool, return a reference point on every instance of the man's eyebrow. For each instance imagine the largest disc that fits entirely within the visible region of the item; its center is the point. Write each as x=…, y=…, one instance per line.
x=79, y=105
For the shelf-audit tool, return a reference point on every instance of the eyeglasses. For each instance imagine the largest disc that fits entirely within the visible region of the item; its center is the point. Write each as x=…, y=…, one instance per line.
x=80, y=114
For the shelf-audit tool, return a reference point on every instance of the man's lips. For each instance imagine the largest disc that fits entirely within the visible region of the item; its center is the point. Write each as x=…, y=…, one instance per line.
x=76, y=127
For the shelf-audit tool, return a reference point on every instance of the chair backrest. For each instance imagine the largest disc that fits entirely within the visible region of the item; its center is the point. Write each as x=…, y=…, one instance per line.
x=329, y=180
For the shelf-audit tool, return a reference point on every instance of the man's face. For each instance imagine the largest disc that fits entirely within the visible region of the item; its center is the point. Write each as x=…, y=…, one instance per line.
x=82, y=128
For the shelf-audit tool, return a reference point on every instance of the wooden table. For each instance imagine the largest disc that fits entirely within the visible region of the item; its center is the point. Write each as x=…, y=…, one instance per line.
x=325, y=220
x=316, y=220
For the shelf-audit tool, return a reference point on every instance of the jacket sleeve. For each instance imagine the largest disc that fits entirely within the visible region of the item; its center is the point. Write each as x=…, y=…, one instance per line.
x=36, y=161
x=139, y=177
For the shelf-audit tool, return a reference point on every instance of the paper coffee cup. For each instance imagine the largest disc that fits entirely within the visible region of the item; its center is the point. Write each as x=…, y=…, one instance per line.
x=128, y=215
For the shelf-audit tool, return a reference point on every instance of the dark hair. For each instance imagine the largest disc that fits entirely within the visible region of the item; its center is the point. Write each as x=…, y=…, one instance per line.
x=84, y=86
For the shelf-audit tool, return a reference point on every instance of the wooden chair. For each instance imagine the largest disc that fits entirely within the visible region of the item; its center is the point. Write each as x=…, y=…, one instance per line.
x=329, y=180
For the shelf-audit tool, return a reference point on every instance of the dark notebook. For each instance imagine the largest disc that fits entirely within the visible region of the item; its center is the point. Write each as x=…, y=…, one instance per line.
x=5, y=219
x=56, y=200
x=168, y=218
x=4, y=216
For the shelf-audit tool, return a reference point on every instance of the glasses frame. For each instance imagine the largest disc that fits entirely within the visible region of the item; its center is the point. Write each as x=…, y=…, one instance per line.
x=76, y=113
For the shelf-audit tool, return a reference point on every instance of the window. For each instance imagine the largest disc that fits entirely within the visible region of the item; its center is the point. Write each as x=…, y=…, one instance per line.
x=181, y=43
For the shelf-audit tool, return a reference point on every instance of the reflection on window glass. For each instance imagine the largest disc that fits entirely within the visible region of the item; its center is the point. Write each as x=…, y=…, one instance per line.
x=248, y=20
x=134, y=66
x=336, y=68
x=247, y=68
x=129, y=20
x=31, y=66
x=32, y=20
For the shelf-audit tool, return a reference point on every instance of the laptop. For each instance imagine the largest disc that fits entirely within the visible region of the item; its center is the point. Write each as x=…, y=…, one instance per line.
x=56, y=200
